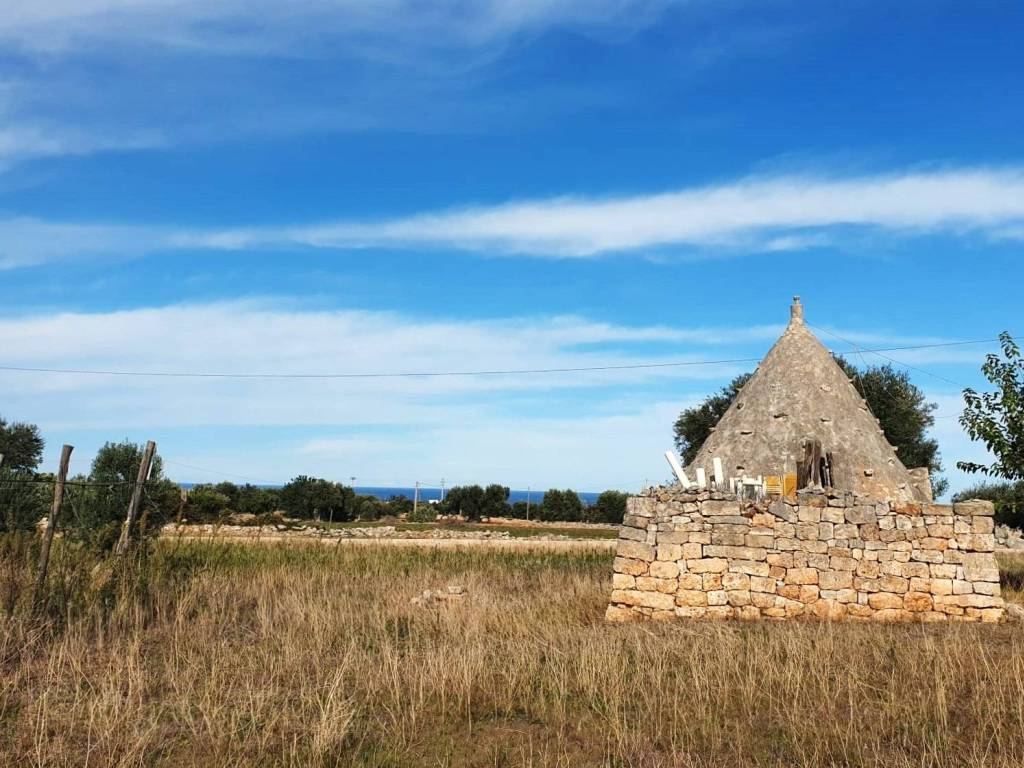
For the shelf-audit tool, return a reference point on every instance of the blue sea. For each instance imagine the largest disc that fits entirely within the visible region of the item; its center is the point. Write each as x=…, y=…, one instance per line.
x=434, y=494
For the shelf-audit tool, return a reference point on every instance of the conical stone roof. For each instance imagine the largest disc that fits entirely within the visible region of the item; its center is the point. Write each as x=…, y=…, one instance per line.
x=799, y=394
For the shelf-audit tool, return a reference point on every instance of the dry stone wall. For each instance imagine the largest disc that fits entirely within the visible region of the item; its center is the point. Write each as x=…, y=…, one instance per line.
x=829, y=556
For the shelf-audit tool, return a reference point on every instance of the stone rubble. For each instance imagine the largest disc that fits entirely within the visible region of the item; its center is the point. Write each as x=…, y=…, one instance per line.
x=451, y=593
x=826, y=555
x=1009, y=538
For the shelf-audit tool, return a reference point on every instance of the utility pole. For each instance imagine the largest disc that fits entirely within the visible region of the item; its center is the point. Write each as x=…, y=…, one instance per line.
x=51, y=522
x=442, y=482
x=352, y=479
x=133, y=506
x=415, y=498
x=528, y=489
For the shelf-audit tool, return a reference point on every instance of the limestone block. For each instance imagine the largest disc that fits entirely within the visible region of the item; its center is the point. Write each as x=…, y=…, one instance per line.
x=917, y=601
x=691, y=551
x=818, y=562
x=786, y=544
x=785, y=559
x=719, y=508
x=860, y=515
x=776, y=572
x=941, y=586
x=618, y=613
x=835, y=580
x=807, y=531
x=943, y=531
x=869, y=532
x=887, y=583
x=718, y=597
x=933, y=543
x=829, y=610
x=663, y=615
x=782, y=511
x=635, y=550
x=711, y=581
x=869, y=569
x=987, y=615
x=634, y=521
x=748, y=613
x=691, y=598
x=651, y=584
x=842, y=564
x=759, y=540
x=762, y=584
x=664, y=570
x=658, y=600
x=926, y=556
x=632, y=534
x=762, y=520
x=640, y=506
x=814, y=547
x=977, y=542
x=883, y=600
x=833, y=515
x=825, y=530
x=623, y=581
x=987, y=588
x=691, y=581
x=738, y=553
x=845, y=531
x=728, y=539
x=700, y=538
x=690, y=612
x=801, y=576
x=808, y=593
x=980, y=567
x=953, y=556
x=969, y=601
x=738, y=597
x=675, y=537
x=630, y=566
x=708, y=565
x=982, y=525
x=893, y=614
x=785, y=530
x=762, y=599
x=858, y=611
x=732, y=581
x=808, y=514
x=750, y=568
x=669, y=552
x=974, y=507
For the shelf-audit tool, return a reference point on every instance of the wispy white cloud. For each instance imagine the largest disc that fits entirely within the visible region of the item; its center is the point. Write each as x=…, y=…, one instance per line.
x=518, y=429
x=752, y=214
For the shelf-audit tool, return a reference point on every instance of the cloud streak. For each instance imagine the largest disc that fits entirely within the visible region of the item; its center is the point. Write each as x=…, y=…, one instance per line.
x=765, y=214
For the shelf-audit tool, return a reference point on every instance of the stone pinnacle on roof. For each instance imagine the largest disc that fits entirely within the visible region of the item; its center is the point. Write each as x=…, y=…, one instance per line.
x=799, y=395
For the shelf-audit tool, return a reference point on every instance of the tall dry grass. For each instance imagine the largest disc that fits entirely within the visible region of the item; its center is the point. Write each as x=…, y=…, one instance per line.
x=241, y=655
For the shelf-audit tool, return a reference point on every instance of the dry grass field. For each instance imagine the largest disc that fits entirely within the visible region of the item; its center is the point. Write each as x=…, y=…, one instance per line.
x=238, y=655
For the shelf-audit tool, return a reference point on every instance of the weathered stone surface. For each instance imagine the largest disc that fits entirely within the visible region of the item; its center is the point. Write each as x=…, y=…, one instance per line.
x=635, y=550
x=827, y=558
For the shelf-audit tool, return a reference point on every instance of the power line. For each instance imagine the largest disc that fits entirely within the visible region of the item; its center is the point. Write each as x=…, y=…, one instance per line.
x=436, y=374
x=897, y=362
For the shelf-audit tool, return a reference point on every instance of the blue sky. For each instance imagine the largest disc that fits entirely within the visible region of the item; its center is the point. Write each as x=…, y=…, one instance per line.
x=350, y=187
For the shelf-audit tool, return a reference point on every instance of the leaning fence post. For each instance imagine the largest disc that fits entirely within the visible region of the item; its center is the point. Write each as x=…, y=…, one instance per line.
x=51, y=521
x=136, y=500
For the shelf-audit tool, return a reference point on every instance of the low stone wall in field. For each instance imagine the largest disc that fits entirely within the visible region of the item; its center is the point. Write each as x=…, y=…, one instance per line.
x=823, y=555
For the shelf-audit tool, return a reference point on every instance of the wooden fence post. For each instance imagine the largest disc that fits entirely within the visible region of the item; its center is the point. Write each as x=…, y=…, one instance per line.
x=51, y=522
x=136, y=500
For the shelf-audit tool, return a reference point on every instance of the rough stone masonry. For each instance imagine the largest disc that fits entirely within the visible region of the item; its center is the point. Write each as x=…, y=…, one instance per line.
x=823, y=554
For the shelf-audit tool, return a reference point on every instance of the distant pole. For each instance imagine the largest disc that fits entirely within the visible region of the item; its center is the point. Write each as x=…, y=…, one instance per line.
x=442, y=482
x=136, y=500
x=415, y=498
x=352, y=479
x=51, y=522
x=528, y=489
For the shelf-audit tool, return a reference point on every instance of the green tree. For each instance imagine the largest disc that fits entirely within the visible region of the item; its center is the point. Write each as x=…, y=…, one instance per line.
x=253, y=500
x=901, y=408
x=496, y=501
x=205, y=502
x=610, y=507
x=564, y=505
x=24, y=500
x=996, y=418
x=694, y=424
x=21, y=446
x=315, y=498
x=97, y=508
x=465, y=500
